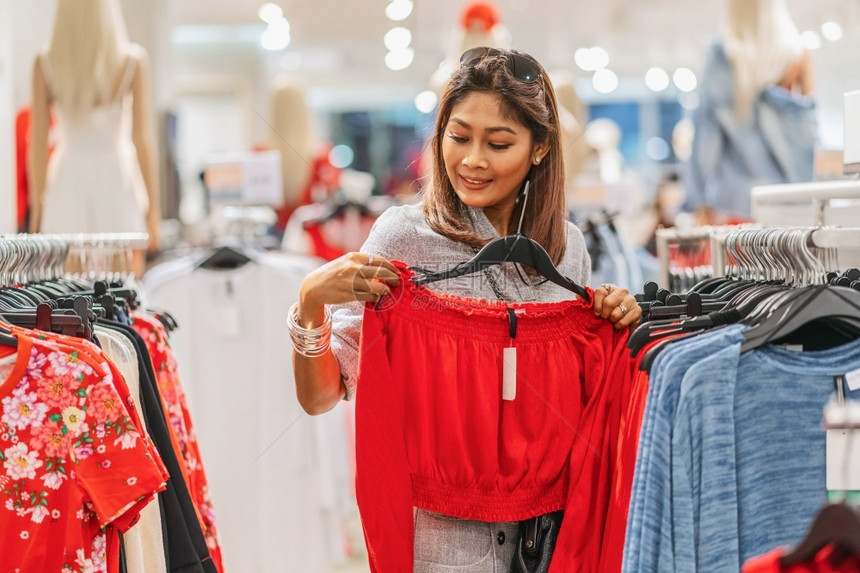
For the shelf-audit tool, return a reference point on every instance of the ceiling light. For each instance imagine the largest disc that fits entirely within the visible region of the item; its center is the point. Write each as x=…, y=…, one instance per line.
x=399, y=10
x=599, y=58
x=397, y=38
x=605, y=81
x=399, y=59
x=657, y=79
x=811, y=40
x=831, y=31
x=277, y=35
x=341, y=156
x=426, y=101
x=269, y=12
x=685, y=79
x=657, y=148
x=591, y=59
x=582, y=59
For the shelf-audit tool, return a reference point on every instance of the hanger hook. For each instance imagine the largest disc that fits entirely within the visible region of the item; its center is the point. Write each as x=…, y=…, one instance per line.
x=523, y=211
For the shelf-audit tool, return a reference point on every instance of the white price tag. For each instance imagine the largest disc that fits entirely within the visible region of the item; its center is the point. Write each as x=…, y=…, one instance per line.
x=843, y=460
x=509, y=376
x=227, y=321
x=853, y=380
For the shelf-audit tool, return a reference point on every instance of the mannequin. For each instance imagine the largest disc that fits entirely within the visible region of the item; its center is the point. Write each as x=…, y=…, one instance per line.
x=604, y=136
x=99, y=180
x=755, y=124
x=479, y=25
x=573, y=116
x=292, y=133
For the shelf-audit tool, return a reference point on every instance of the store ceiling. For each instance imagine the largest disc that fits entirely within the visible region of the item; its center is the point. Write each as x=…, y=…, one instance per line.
x=341, y=40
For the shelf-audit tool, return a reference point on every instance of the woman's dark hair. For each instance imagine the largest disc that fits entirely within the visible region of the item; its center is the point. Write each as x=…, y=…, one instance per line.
x=530, y=104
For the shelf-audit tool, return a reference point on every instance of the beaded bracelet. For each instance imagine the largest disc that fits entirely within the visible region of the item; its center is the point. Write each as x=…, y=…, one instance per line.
x=310, y=342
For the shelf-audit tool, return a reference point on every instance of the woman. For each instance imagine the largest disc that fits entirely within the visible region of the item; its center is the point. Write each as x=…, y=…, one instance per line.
x=755, y=122
x=97, y=181
x=497, y=126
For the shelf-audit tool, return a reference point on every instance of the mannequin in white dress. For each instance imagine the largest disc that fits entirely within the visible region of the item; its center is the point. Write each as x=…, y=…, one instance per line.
x=102, y=176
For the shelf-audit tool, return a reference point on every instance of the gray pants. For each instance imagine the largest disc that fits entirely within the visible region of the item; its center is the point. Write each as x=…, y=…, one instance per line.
x=449, y=545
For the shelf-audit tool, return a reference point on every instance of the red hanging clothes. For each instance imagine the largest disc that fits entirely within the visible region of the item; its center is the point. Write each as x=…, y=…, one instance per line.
x=180, y=426
x=78, y=466
x=612, y=552
x=22, y=145
x=338, y=236
x=432, y=429
x=320, y=247
x=323, y=175
x=821, y=563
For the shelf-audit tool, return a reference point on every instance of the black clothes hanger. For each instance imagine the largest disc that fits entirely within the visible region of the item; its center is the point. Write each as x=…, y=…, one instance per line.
x=836, y=523
x=167, y=319
x=738, y=308
x=47, y=320
x=19, y=296
x=101, y=288
x=7, y=338
x=510, y=248
x=838, y=305
x=694, y=306
x=224, y=257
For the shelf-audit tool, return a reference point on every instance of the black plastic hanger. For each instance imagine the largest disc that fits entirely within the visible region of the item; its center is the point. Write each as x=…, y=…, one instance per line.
x=808, y=305
x=225, y=257
x=685, y=329
x=167, y=319
x=44, y=319
x=836, y=523
x=7, y=338
x=510, y=248
x=740, y=306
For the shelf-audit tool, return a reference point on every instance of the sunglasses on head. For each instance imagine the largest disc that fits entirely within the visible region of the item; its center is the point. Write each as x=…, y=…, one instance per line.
x=521, y=66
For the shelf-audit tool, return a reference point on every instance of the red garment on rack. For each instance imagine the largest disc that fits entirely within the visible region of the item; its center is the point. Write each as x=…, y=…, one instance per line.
x=180, y=426
x=22, y=145
x=78, y=466
x=769, y=563
x=612, y=553
x=319, y=247
x=351, y=234
x=432, y=430
x=323, y=174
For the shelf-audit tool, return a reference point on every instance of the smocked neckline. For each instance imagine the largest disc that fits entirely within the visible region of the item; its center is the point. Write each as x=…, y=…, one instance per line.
x=485, y=307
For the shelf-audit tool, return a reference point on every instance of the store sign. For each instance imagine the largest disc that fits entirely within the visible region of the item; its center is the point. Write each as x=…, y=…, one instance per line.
x=245, y=179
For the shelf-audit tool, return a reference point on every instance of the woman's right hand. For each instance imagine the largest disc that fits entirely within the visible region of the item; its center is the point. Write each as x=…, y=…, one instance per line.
x=352, y=277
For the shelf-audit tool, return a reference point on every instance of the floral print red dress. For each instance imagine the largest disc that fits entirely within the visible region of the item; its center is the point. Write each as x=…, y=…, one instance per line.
x=76, y=467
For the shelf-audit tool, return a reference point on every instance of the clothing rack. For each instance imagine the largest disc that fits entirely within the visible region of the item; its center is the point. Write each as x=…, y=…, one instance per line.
x=818, y=203
x=695, y=235
x=28, y=258
x=114, y=382
x=837, y=248
x=834, y=248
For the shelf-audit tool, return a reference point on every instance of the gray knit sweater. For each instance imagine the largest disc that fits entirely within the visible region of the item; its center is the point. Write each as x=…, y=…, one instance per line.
x=401, y=233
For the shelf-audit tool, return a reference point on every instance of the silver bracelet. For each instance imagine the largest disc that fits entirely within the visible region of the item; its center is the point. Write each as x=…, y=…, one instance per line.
x=310, y=342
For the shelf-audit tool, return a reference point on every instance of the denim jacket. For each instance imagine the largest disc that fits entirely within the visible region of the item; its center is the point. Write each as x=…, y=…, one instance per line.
x=730, y=155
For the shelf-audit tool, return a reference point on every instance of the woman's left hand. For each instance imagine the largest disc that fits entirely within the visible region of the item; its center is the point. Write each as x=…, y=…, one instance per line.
x=617, y=305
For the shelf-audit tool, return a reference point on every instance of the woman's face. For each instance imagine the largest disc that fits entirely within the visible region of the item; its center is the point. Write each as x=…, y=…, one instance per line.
x=486, y=156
